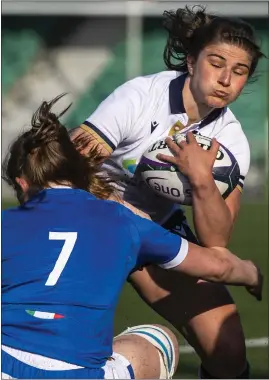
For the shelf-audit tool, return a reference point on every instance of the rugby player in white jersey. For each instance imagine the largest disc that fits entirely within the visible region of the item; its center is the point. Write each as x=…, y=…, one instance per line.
x=210, y=59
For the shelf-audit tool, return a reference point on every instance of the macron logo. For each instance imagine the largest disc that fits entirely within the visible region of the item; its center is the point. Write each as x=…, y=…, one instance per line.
x=154, y=125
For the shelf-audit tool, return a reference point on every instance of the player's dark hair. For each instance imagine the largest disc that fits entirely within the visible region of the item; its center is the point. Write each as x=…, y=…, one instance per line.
x=45, y=154
x=190, y=30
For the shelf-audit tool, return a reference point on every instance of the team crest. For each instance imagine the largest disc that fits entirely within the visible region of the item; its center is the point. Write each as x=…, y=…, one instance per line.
x=177, y=127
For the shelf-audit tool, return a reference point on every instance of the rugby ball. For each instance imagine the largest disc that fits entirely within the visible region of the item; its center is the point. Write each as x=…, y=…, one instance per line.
x=167, y=181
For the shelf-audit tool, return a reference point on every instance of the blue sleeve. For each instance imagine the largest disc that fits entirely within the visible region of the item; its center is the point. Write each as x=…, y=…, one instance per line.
x=157, y=245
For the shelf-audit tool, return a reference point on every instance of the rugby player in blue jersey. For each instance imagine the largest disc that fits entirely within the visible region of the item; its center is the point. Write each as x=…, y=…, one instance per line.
x=66, y=254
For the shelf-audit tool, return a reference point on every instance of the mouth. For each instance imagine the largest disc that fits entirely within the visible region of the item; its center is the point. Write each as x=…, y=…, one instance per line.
x=221, y=94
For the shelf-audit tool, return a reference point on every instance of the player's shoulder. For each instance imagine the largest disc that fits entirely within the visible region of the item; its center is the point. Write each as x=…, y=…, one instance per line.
x=124, y=215
x=117, y=209
x=229, y=129
x=9, y=217
x=150, y=83
x=228, y=117
x=9, y=212
x=230, y=133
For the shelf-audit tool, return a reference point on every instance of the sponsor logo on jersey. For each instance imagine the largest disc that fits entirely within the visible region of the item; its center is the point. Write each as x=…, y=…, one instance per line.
x=154, y=125
x=129, y=165
x=44, y=314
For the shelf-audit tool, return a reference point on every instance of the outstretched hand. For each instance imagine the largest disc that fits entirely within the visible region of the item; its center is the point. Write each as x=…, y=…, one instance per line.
x=256, y=289
x=190, y=159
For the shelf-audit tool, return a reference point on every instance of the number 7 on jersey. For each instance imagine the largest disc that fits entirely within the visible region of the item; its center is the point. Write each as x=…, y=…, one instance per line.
x=70, y=240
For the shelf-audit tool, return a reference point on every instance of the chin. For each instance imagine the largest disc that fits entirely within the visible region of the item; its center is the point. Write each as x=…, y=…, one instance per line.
x=214, y=102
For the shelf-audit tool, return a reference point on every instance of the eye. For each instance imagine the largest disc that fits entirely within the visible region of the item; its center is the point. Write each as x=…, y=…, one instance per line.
x=238, y=73
x=215, y=65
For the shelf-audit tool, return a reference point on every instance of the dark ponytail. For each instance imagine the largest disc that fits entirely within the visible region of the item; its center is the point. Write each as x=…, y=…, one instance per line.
x=181, y=26
x=192, y=29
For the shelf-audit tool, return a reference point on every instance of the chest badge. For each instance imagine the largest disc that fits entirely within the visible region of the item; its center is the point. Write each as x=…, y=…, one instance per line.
x=177, y=127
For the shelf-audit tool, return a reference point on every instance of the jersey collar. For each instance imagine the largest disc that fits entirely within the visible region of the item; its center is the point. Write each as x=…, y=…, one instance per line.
x=59, y=187
x=175, y=94
x=176, y=100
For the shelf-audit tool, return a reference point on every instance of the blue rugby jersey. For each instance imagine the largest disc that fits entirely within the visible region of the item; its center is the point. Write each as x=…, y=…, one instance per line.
x=65, y=258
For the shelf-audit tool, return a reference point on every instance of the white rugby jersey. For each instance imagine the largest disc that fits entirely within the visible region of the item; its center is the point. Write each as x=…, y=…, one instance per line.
x=144, y=110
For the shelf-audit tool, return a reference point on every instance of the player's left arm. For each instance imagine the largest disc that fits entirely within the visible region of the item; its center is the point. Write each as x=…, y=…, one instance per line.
x=214, y=218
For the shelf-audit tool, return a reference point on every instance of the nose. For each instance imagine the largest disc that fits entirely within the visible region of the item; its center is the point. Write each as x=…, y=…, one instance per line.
x=225, y=78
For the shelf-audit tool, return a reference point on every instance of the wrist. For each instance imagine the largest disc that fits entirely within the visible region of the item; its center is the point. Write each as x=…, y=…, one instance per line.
x=252, y=273
x=201, y=181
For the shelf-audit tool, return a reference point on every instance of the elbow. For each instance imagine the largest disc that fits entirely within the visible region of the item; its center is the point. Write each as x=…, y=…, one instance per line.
x=220, y=239
x=216, y=241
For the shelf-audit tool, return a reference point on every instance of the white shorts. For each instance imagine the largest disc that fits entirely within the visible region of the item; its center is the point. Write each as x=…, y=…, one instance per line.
x=37, y=366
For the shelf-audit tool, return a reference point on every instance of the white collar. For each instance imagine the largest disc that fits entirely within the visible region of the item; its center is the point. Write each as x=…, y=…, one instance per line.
x=59, y=187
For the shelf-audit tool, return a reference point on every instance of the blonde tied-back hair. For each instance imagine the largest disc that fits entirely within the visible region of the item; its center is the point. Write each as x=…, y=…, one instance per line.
x=45, y=154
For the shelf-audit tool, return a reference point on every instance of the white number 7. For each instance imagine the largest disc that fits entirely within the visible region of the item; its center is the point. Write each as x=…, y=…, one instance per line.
x=70, y=240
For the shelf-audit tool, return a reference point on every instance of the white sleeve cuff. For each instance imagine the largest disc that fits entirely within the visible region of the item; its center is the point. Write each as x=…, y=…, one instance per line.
x=182, y=253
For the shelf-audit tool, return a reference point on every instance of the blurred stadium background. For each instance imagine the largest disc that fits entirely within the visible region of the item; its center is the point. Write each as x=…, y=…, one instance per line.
x=87, y=49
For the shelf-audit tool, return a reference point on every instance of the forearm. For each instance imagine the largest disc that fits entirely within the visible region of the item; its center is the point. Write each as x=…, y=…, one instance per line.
x=235, y=271
x=218, y=265
x=211, y=216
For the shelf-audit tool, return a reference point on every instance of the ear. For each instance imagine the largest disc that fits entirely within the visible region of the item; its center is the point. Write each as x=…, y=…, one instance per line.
x=190, y=64
x=22, y=183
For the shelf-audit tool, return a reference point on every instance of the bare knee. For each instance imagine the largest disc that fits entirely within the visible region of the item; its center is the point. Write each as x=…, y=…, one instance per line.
x=174, y=340
x=141, y=354
x=141, y=346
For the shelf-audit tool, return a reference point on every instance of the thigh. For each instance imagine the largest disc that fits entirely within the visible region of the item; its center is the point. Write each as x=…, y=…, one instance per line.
x=177, y=297
x=203, y=312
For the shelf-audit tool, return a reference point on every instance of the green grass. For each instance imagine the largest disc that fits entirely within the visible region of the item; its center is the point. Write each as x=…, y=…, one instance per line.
x=249, y=241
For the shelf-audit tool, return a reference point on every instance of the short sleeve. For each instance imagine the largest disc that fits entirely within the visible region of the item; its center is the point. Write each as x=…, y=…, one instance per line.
x=112, y=121
x=156, y=244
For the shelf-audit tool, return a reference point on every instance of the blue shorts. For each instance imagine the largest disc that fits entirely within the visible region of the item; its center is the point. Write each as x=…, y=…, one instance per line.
x=25, y=368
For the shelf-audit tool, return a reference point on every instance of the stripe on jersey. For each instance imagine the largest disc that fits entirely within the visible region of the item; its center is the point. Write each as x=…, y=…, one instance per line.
x=240, y=188
x=240, y=184
x=44, y=314
x=102, y=139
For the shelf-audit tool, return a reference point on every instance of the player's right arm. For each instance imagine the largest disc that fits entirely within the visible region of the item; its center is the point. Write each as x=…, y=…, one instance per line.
x=170, y=251
x=218, y=264
x=111, y=123
x=114, y=119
